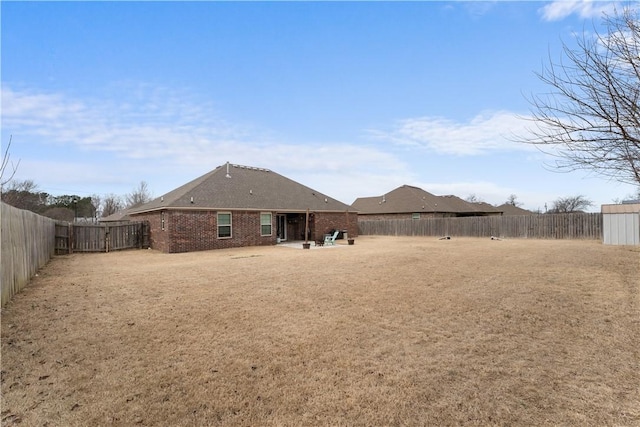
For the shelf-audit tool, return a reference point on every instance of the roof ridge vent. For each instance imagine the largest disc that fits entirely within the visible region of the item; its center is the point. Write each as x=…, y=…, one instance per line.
x=253, y=168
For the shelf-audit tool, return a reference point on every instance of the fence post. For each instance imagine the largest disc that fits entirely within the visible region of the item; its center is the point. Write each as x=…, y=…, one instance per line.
x=72, y=239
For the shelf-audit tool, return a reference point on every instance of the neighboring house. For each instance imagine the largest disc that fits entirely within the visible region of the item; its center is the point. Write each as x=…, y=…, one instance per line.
x=509, y=209
x=234, y=206
x=408, y=202
x=464, y=208
x=122, y=216
x=118, y=217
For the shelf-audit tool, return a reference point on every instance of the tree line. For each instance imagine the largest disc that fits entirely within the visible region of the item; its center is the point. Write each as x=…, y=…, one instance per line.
x=71, y=207
x=566, y=204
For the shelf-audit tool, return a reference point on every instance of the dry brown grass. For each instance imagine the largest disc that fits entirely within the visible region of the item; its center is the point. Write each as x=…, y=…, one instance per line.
x=390, y=331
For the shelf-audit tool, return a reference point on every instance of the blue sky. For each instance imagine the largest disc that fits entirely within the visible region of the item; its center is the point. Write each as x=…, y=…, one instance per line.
x=350, y=98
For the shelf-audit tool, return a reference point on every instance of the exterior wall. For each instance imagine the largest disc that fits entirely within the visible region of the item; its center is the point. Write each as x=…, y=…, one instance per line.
x=187, y=231
x=158, y=239
x=324, y=222
x=320, y=223
x=621, y=224
x=198, y=231
x=621, y=229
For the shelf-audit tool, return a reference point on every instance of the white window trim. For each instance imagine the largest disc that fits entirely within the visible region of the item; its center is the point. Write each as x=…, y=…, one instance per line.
x=270, y=224
x=230, y=225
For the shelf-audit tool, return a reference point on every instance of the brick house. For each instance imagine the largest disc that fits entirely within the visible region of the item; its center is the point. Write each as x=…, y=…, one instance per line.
x=408, y=202
x=234, y=206
x=509, y=209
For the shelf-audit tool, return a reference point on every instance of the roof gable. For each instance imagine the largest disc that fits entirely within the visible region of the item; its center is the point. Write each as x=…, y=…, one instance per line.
x=509, y=209
x=244, y=187
x=410, y=199
x=404, y=199
x=462, y=206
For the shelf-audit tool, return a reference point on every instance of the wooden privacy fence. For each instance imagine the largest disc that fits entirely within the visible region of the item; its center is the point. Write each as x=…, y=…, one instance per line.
x=541, y=226
x=27, y=242
x=71, y=238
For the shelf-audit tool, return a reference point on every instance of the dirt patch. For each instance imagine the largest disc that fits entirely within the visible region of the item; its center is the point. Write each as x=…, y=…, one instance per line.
x=389, y=331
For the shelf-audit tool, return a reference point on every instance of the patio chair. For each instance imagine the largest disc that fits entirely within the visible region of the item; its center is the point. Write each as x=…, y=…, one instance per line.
x=331, y=239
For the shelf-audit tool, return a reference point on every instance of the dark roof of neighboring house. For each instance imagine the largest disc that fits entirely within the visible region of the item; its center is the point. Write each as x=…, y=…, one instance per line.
x=409, y=199
x=404, y=199
x=244, y=188
x=509, y=209
x=122, y=215
x=462, y=206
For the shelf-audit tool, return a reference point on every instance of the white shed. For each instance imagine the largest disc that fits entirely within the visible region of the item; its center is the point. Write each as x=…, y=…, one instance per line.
x=621, y=224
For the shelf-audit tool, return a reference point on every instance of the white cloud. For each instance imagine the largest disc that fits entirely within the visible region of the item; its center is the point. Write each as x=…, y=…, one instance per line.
x=62, y=177
x=479, y=8
x=484, y=133
x=110, y=144
x=561, y=9
x=143, y=133
x=135, y=128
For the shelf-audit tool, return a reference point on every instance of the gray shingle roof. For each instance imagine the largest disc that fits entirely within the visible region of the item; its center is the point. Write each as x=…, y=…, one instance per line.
x=122, y=215
x=245, y=188
x=409, y=199
x=462, y=206
x=404, y=199
x=509, y=209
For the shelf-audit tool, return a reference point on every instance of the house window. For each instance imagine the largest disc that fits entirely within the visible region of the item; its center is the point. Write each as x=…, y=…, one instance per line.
x=162, y=220
x=415, y=215
x=265, y=224
x=224, y=225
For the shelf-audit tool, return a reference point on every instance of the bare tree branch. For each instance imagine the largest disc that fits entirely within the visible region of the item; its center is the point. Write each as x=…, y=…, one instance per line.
x=111, y=204
x=570, y=204
x=5, y=163
x=139, y=195
x=590, y=118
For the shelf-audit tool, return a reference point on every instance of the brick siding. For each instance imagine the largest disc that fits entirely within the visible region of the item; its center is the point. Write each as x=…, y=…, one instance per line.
x=326, y=221
x=157, y=238
x=187, y=231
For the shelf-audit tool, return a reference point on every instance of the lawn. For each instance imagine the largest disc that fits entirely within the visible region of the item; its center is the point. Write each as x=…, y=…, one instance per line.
x=389, y=331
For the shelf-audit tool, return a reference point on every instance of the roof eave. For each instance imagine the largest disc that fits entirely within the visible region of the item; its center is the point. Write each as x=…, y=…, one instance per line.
x=210, y=208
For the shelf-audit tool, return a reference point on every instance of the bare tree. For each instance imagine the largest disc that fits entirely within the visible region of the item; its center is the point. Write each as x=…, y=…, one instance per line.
x=590, y=118
x=24, y=195
x=472, y=198
x=631, y=197
x=139, y=195
x=512, y=200
x=96, y=203
x=111, y=204
x=6, y=156
x=570, y=204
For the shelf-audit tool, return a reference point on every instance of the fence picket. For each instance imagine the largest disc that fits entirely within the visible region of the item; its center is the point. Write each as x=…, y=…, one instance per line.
x=100, y=238
x=537, y=226
x=27, y=242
